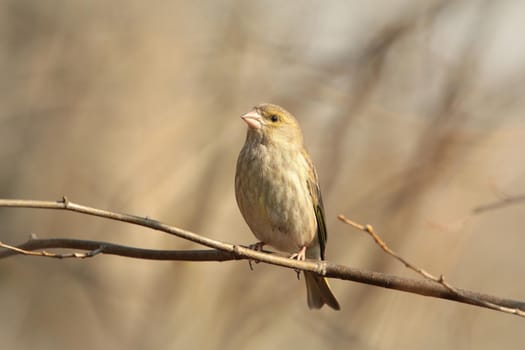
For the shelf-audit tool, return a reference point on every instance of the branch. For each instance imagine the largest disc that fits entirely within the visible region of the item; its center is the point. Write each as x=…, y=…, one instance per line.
x=504, y=202
x=224, y=251
x=237, y=250
x=98, y=247
x=441, y=279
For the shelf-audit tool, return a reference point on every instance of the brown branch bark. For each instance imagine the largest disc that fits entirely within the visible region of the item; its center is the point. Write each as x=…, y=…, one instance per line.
x=225, y=251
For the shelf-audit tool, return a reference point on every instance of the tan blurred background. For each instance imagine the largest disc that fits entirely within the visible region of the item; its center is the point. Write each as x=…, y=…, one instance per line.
x=413, y=112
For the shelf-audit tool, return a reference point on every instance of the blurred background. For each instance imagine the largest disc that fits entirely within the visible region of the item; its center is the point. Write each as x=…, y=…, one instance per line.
x=413, y=112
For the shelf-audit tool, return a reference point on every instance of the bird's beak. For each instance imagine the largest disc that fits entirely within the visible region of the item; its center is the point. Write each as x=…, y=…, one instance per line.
x=253, y=119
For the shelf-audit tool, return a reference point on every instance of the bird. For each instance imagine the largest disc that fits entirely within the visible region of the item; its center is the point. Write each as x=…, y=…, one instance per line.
x=278, y=194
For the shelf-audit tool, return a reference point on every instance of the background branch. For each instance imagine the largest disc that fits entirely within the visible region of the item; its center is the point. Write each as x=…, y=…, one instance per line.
x=502, y=203
x=225, y=251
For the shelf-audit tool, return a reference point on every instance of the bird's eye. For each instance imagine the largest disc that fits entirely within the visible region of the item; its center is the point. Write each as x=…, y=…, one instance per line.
x=274, y=118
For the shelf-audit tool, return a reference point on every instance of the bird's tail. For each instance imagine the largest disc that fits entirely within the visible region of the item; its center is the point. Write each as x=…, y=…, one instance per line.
x=319, y=292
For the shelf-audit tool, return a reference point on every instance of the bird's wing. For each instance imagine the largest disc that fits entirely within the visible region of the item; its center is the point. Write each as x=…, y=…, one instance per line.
x=317, y=200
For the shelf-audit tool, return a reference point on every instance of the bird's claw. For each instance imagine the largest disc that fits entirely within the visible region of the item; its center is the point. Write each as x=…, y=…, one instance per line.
x=258, y=247
x=299, y=256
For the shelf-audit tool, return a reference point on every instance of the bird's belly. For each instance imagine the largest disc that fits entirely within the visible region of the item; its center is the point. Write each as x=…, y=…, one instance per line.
x=288, y=226
x=277, y=206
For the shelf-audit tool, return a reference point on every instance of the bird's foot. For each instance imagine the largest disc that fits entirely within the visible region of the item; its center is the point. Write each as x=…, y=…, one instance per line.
x=258, y=247
x=299, y=256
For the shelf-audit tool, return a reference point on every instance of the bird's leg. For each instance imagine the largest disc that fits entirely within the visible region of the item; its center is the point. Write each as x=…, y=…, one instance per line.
x=299, y=256
x=258, y=247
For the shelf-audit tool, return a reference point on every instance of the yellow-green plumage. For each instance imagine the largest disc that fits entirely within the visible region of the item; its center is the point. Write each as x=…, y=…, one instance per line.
x=278, y=194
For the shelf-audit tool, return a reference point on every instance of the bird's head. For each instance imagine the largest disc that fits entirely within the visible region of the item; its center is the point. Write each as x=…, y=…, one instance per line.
x=273, y=123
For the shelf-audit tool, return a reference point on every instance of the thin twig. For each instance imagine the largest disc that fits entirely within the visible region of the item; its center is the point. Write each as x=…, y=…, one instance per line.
x=78, y=255
x=441, y=279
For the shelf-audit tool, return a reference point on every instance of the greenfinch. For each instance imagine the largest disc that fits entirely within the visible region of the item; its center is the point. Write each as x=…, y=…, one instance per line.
x=277, y=191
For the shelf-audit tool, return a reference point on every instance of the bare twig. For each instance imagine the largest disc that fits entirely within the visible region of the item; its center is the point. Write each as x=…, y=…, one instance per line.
x=441, y=279
x=224, y=251
x=79, y=255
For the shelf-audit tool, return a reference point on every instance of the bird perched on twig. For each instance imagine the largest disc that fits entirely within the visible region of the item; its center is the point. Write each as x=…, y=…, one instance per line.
x=278, y=193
